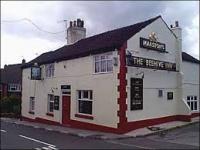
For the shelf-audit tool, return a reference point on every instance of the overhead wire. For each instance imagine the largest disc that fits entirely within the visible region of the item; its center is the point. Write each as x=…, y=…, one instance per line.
x=35, y=25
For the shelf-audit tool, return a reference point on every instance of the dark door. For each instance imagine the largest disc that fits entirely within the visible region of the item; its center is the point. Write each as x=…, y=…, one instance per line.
x=65, y=109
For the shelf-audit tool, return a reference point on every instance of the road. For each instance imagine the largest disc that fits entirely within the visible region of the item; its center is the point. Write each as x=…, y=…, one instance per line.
x=16, y=136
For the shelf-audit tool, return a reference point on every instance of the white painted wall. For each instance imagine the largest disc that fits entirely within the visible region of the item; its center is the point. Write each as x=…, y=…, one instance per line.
x=80, y=75
x=154, y=106
x=190, y=79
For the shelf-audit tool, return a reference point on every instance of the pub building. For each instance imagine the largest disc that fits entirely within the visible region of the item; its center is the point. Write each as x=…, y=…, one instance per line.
x=117, y=81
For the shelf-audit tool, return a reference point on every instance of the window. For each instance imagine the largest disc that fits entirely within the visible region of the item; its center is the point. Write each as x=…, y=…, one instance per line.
x=169, y=95
x=192, y=102
x=160, y=93
x=84, y=102
x=35, y=73
x=49, y=70
x=32, y=104
x=103, y=63
x=14, y=87
x=50, y=104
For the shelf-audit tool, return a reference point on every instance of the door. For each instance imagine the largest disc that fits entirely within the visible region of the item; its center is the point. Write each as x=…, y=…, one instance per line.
x=65, y=109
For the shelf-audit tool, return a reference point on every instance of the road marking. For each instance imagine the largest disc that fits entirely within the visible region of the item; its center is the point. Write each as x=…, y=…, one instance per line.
x=45, y=148
x=37, y=140
x=131, y=145
x=3, y=131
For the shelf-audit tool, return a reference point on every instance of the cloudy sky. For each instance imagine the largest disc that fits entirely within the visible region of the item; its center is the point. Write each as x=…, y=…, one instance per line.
x=21, y=39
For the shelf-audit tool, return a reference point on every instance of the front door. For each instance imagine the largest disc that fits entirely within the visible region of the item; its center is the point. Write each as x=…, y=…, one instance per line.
x=65, y=109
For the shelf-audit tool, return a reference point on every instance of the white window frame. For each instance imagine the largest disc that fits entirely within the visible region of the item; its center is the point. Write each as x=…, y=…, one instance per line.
x=49, y=101
x=32, y=104
x=90, y=98
x=191, y=100
x=14, y=87
x=103, y=60
x=49, y=70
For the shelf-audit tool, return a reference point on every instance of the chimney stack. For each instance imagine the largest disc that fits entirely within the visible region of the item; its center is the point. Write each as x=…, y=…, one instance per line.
x=75, y=31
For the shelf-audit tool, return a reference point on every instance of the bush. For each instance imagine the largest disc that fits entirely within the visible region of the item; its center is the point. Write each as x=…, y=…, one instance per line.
x=10, y=105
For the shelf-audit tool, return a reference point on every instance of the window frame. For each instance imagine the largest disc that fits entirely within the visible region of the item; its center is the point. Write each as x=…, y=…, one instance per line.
x=105, y=60
x=31, y=104
x=50, y=70
x=90, y=99
x=190, y=100
x=14, y=85
x=49, y=101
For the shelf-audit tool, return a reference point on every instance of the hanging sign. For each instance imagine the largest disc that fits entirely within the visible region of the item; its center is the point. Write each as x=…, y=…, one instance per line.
x=152, y=43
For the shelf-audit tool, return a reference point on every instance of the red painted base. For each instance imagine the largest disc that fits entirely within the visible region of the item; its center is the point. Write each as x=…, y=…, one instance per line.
x=126, y=127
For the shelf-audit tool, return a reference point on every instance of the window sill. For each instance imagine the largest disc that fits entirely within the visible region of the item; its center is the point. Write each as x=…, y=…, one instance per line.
x=50, y=114
x=102, y=73
x=84, y=116
x=31, y=112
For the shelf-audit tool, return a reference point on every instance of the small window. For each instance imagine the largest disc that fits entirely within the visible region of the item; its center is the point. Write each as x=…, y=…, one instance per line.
x=50, y=104
x=160, y=93
x=32, y=104
x=85, y=101
x=170, y=95
x=14, y=87
x=49, y=70
x=192, y=102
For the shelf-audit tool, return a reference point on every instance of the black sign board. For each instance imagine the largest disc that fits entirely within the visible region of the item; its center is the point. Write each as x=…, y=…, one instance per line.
x=65, y=87
x=136, y=93
x=153, y=45
x=35, y=73
x=150, y=63
x=56, y=102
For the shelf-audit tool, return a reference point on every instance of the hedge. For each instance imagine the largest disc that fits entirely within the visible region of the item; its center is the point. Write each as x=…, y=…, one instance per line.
x=11, y=104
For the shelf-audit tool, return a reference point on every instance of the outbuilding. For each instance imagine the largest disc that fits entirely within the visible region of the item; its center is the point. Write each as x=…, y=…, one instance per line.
x=116, y=81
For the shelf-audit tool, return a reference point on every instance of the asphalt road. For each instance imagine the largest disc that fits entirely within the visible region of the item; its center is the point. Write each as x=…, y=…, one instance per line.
x=15, y=136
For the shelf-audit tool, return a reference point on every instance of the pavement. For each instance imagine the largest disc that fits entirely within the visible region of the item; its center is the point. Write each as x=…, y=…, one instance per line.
x=160, y=129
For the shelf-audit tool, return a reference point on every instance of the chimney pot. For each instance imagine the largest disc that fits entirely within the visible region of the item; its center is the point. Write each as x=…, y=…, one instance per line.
x=70, y=24
x=171, y=26
x=82, y=23
x=23, y=61
x=78, y=22
x=176, y=24
x=74, y=23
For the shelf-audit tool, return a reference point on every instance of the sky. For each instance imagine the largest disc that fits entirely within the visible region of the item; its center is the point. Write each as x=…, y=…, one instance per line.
x=20, y=39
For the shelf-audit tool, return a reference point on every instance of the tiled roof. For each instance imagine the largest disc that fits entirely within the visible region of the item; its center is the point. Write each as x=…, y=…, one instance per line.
x=11, y=74
x=189, y=58
x=104, y=42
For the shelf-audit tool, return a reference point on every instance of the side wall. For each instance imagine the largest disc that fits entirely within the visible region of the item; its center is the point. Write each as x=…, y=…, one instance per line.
x=191, y=80
x=154, y=80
